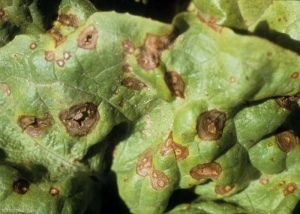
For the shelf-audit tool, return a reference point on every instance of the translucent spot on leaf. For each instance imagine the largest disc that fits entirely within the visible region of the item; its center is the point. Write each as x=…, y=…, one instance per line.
x=68, y=20
x=67, y=55
x=87, y=39
x=286, y=141
x=60, y=63
x=33, y=46
x=21, y=186
x=287, y=102
x=34, y=126
x=290, y=188
x=128, y=46
x=80, y=119
x=49, y=56
x=175, y=83
x=158, y=179
x=223, y=190
x=150, y=52
x=6, y=89
x=210, y=125
x=59, y=38
x=126, y=68
x=144, y=164
x=54, y=191
x=208, y=170
x=295, y=75
x=133, y=83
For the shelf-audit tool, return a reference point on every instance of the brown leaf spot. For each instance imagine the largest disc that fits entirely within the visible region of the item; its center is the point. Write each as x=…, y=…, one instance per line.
x=34, y=126
x=49, y=56
x=210, y=125
x=60, y=63
x=150, y=52
x=290, y=188
x=133, y=83
x=211, y=22
x=180, y=151
x=175, y=83
x=286, y=141
x=33, y=46
x=295, y=75
x=223, y=190
x=21, y=186
x=169, y=146
x=2, y=13
x=126, y=68
x=144, y=164
x=80, y=119
x=6, y=89
x=128, y=46
x=59, y=38
x=287, y=102
x=54, y=191
x=264, y=181
x=208, y=170
x=68, y=20
x=158, y=179
x=166, y=147
x=87, y=39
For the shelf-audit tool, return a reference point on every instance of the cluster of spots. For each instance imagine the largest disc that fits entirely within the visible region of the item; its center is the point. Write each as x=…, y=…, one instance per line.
x=175, y=83
x=34, y=126
x=21, y=186
x=286, y=141
x=207, y=170
x=54, y=191
x=58, y=37
x=170, y=147
x=68, y=20
x=210, y=125
x=133, y=83
x=6, y=89
x=287, y=102
x=33, y=45
x=211, y=23
x=87, y=39
x=80, y=119
x=145, y=168
x=290, y=188
x=223, y=190
x=50, y=56
x=154, y=45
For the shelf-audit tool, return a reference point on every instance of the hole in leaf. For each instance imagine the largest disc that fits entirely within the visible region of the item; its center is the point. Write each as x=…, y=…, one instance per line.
x=133, y=83
x=21, y=186
x=210, y=125
x=208, y=170
x=34, y=126
x=286, y=141
x=175, y=83
x=80, y=119
x=149, y=57
x=87, y=39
